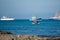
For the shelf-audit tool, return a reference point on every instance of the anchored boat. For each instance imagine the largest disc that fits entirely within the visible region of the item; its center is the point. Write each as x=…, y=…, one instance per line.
x=6, y=18
x=56, y=17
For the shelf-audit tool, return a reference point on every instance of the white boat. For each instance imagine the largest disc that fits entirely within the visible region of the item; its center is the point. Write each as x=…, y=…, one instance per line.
x=6, y=18
x=57, y=16
x=34, y=20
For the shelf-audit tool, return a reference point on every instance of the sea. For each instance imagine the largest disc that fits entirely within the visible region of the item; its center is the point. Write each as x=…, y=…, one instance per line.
x=45, y=27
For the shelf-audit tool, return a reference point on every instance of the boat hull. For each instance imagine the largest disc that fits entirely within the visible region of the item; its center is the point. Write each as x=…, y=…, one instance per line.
x=7, y=19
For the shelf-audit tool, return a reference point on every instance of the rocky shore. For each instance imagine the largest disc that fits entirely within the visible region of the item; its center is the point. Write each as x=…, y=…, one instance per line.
x=2, y=32
x=10, y=36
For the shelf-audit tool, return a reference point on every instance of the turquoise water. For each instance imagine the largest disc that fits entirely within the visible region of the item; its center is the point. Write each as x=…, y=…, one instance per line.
x=46, y=27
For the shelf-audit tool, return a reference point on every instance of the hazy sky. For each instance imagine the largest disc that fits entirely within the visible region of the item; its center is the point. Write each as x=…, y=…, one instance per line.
x=22, y=9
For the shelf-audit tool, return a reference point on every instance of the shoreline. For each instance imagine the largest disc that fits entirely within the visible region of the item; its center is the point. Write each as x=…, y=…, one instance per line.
x=25, y=37
x=10, y=36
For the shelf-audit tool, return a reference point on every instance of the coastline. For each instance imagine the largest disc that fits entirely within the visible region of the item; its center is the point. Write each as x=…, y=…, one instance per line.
x=8, y=36
x=25, y=37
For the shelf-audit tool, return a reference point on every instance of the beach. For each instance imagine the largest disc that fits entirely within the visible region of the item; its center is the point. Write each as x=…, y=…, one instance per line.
x=25, y=37
x=10, y=36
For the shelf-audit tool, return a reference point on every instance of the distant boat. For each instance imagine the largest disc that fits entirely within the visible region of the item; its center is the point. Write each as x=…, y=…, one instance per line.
x=6, y=18
x=34, y=20
x=56, y=17
x=39, y=19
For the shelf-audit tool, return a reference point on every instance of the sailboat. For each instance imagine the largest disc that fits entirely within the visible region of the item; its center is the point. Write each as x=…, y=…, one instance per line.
x=34, y=20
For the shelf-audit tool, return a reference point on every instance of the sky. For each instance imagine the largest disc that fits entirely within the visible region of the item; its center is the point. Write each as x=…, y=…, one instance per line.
x=25, y=9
